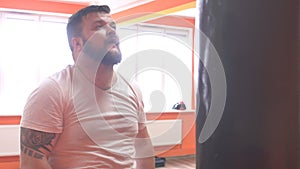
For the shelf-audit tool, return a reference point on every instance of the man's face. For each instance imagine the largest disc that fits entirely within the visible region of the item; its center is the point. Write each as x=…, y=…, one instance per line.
x=100, y=39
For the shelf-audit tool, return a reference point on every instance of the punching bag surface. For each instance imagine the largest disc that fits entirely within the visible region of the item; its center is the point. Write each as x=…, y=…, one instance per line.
x=258, y=44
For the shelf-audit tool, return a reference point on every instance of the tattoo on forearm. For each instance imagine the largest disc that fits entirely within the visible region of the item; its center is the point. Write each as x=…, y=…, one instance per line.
x=31, y=153
x=33, y=142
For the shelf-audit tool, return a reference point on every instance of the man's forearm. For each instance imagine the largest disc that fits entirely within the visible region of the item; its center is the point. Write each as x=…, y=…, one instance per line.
x=30, y=163
x=144, y=151
x=145, y=163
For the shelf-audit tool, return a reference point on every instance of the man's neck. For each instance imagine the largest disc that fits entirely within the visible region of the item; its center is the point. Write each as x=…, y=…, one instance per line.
x=103, y=76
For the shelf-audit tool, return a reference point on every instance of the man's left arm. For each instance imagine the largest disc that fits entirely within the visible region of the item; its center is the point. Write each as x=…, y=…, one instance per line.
x=144, y=149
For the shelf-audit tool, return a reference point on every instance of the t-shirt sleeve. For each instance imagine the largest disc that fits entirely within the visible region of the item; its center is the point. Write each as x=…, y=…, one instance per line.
x=44, y=108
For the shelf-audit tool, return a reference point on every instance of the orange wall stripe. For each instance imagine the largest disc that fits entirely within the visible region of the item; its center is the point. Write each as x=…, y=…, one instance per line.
x=68, y=8
x=10, y=162
x=9, y=159
x=41, y=6
x=159, y=14
x=176, y=21
x=151, y=7
x=157, y=6
x=10, y=120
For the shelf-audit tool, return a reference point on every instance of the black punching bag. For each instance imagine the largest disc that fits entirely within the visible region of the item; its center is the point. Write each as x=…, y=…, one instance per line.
x=257, y=42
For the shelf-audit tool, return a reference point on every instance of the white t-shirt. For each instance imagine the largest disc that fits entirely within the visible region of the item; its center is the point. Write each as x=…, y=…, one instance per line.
x=97, y=127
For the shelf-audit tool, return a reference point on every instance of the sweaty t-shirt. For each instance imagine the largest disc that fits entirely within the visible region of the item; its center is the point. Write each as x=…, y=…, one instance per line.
x=97, y=127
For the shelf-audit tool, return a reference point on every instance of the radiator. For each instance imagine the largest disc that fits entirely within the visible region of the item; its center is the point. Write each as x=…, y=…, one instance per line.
x=162, y=133
x=9, y=140
x=165, y=132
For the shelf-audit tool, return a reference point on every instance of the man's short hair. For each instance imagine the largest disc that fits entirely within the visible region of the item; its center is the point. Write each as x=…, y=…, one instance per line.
x=74, y=27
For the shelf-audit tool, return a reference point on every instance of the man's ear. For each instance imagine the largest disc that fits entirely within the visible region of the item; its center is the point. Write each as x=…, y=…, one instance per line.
x=77, y=44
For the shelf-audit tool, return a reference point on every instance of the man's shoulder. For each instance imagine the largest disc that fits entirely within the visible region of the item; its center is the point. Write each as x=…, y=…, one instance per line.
x=64, y=75
x=58, y=82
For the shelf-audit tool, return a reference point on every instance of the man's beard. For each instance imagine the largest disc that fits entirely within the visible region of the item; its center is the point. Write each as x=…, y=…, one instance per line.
x=112, y=57
x=102, y=55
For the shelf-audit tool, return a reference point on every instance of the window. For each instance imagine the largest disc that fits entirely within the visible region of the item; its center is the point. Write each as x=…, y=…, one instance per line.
x=27, y=55
x=159, y=60
x=34, y=46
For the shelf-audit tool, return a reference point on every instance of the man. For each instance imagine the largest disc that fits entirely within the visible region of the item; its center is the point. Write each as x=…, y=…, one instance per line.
x=87, y=115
